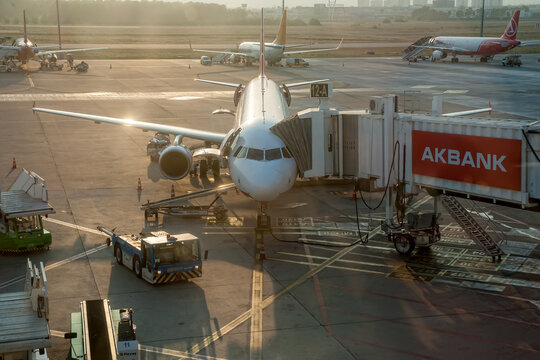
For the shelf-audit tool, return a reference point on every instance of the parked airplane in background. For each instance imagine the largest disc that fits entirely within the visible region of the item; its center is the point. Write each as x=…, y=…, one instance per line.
x=24, y=50
x=248, y=52
x=483, y=47
x=259, y=162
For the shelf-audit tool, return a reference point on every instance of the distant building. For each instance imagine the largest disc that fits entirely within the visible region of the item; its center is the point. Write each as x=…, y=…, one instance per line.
x=362, y=3
x=462, y=3
x=396, y=3
x=443, y=4
x=490, y=4
x=376, y=3
x=419, y=2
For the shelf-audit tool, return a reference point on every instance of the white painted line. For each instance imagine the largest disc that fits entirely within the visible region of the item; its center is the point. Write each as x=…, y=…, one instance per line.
x=57, y=264
x=456, y=92
x=57, y=333
x=30, y=81
x=63, y=223
x=340, y=260
x=423, y=86
x=175, y=353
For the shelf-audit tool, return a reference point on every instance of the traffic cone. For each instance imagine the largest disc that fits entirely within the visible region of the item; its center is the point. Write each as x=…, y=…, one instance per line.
x=139, y=184
x=172, y=191
x=14, y=166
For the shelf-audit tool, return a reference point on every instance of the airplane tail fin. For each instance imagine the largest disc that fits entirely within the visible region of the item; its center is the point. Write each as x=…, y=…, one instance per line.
x=281, y=37
x=511, y=29
x=25, y=35
x=261, y=56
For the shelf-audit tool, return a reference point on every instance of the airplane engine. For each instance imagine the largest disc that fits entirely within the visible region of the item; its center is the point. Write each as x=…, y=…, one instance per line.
x=175, y=162
x=438, y=54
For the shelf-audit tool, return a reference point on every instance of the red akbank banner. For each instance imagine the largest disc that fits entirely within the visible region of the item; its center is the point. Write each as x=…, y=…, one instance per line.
x=472, y=159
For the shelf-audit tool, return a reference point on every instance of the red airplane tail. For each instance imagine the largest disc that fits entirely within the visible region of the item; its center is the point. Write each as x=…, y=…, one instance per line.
x=511, y=29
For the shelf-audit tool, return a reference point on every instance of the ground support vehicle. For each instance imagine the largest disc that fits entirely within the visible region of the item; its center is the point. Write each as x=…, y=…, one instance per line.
x=420, y=229
x=24, y=318
x=21, y=208
x=82, y=67
x=156, y=145
x=176, y=205
x=511, y=60
x=206, y=60
x=296, y=62
x=99, y=333
x=158, y=257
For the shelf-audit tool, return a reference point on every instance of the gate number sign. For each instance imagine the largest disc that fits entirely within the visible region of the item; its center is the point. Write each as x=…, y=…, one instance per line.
x=321, y=90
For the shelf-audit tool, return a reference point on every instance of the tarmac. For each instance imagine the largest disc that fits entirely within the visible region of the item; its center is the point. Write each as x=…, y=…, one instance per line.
x=320, y=299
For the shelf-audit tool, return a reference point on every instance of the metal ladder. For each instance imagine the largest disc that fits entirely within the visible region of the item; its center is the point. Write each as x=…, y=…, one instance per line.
x=471, y=227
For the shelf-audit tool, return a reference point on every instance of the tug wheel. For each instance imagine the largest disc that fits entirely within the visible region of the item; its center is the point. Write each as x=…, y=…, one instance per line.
x=137, y=269
x=404, y=244
x=118, y=254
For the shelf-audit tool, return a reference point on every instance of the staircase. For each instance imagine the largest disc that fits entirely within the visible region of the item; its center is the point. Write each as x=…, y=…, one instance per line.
x=413, y=49
x=471, y=227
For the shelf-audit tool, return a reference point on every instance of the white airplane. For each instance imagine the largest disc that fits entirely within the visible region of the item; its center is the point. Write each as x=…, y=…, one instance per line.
x=483, y=47
x=24, y=50
x=249, y=52
x=259, y=162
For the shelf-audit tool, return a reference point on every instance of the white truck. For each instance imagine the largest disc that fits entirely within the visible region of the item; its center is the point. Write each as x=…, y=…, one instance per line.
x=24, y=318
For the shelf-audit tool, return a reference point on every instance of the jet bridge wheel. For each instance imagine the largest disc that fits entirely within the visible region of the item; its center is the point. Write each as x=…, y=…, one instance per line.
x=203, y=168
x=404, y=244
x=216, y=168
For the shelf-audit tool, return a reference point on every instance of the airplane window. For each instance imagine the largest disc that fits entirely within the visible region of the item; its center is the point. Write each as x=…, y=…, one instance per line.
x=286, y=153
x=242, y=152
x=255, y=154
x=237, y=151
x=272, y=154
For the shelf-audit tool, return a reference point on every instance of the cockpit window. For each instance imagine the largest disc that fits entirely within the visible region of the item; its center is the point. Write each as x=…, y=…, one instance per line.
x=255, y=154
x=286, y=153
x=241, y=152
x=273, y=154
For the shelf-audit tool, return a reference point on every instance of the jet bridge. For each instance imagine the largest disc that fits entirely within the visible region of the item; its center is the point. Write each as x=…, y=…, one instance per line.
x=496, y=160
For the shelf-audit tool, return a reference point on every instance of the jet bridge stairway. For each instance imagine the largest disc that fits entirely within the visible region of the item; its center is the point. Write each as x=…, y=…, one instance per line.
x=472, y=227
x=221, y=58
x=412, y=50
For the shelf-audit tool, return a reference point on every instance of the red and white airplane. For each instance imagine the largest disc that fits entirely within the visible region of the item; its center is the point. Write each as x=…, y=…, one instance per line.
x=483, y=47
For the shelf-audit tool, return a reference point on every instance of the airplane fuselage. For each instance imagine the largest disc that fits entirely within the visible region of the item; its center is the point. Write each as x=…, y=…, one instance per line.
x=26, y=51
x=272, y=52
x=475, y=46
x=259, y=162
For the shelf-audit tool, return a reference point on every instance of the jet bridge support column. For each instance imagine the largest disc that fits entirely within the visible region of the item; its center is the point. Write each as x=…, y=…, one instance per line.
x=389, y=146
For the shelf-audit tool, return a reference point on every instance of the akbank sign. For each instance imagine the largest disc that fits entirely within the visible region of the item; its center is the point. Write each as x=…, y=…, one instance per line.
x=477, y=160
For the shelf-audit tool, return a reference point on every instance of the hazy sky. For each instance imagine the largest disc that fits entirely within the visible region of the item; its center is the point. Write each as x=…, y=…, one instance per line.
x=272, y=3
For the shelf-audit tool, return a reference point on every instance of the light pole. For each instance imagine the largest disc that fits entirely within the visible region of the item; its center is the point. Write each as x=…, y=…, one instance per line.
x=482, y=21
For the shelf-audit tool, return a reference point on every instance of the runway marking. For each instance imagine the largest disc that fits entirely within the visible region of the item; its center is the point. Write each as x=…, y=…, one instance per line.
x=270, y=300
x=57, y=264
x=455, y=91
x=340, y=260
x=30, y=81
x=423, y=86
x=63, y=223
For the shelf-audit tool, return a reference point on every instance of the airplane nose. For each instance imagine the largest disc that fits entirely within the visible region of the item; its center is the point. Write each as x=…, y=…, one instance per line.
x=265, y=185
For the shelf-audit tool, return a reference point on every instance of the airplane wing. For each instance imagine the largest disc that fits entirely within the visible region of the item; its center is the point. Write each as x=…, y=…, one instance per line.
x=305, y=83
x=168, y=129
x=43, y=53
x=312, y=50
x=529, y=43
x=46, y=47
x=468, y=112
x=7, y=47
x=219, y=83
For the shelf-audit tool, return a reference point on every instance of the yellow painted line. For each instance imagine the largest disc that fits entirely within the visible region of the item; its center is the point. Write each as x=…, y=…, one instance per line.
x=255, y=342
x=270, y=300
x=82, y=228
